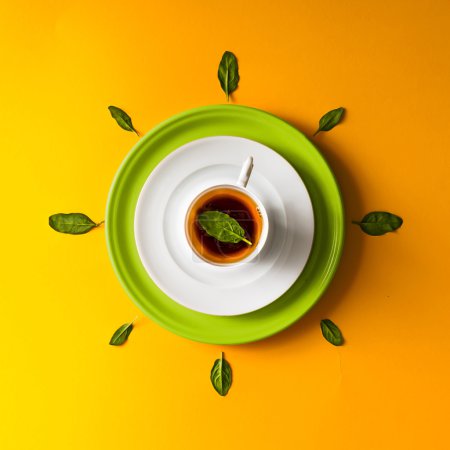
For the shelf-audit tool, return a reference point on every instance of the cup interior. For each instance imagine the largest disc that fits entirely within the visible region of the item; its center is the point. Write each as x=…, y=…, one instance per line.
x=240, y=204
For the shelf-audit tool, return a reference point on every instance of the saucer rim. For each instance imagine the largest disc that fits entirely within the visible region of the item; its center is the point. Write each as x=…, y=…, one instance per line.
x=216, y=308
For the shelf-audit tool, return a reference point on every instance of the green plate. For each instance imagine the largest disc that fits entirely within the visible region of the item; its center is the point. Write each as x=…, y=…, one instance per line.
x=225, y=120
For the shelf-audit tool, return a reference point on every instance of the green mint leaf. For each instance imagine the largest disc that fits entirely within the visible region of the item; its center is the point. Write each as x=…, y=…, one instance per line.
x=377, y=223
x=330, y=120
x=222, y=227
x=72, y=223
x=228, y=73
x=120, y=336
x=331, y=332
x=122, y=119
x=221, y=376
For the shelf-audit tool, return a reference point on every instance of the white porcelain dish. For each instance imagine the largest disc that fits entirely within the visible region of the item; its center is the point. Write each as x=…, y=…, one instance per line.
x=163, y=247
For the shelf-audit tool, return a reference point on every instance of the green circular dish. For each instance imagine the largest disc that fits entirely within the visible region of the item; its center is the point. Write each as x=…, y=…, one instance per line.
x=225, y=120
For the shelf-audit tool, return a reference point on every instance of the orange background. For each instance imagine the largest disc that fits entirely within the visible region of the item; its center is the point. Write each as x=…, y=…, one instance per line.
x=63, y=386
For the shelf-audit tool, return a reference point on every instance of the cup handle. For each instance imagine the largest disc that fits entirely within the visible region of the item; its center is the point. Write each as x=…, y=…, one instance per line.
x=246, y=171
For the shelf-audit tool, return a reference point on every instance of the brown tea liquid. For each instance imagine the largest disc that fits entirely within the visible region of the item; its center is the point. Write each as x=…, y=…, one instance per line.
x=237, y=205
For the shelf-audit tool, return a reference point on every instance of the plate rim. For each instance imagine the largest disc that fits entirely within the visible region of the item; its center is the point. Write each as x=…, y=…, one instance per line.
x=336, y=249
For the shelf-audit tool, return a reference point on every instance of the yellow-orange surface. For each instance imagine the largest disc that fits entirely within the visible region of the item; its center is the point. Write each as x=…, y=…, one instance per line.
x=63, y=387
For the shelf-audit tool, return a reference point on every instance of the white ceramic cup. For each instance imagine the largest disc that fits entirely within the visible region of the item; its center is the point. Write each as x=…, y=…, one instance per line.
x=241, y=185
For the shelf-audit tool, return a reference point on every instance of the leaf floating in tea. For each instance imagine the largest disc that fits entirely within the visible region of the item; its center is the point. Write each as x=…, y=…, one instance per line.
x=221, y=376
x=330, y=120
x=331, y=332
x=228, y=73
x=377, y=223
x=222, y=227
x=72, y=223
x=120, y=336
x=122, y=119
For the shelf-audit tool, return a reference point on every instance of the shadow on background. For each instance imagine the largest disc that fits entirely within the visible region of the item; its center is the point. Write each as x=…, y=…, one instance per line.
x=351, y=256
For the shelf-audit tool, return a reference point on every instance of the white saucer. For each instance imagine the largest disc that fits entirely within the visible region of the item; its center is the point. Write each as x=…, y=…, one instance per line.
x=165, y=252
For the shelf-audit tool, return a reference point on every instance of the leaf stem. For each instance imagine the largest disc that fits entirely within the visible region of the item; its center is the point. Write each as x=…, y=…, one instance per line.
x=238, y=235
x=100, y=223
